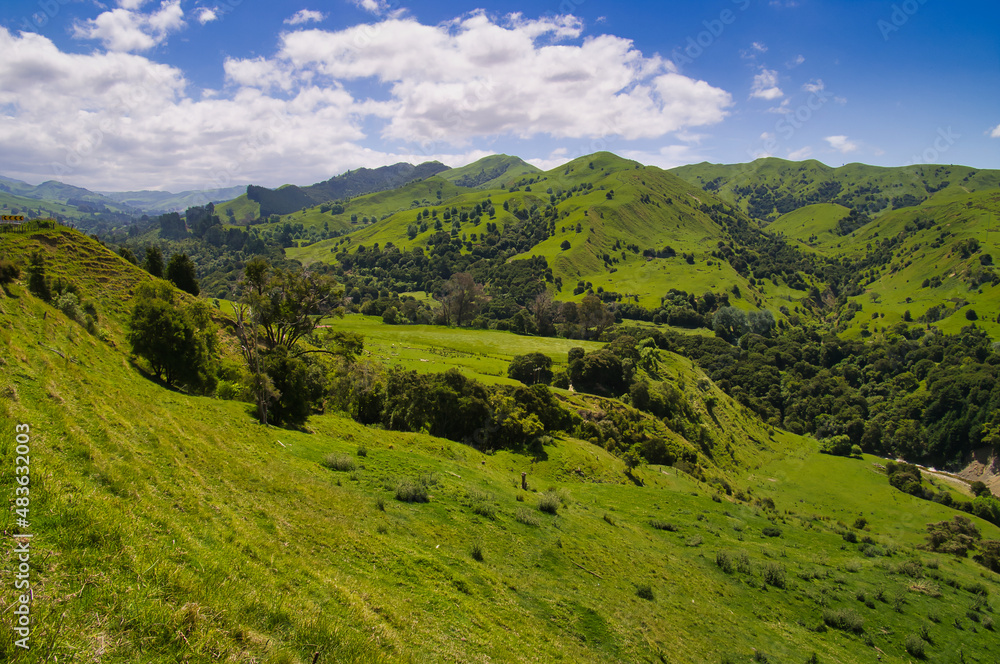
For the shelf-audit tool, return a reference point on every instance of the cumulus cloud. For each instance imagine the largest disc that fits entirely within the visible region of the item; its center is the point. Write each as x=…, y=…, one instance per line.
x=765, y=85
x=377, y=7
x=995, y=133
x=127, y=29
x=117, y=119
x=815, y=87
x=305, y=16
x=206, y=15
x=841, y=144
x=800, y=154
x=477, y=77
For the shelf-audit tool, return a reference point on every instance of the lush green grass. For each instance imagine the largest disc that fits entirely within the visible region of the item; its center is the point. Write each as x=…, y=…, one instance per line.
x=811, y=224
x=172, y=528
x=480, y=354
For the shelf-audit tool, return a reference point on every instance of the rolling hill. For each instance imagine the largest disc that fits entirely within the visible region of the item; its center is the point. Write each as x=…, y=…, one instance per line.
x=169, y=527
x=769, y=187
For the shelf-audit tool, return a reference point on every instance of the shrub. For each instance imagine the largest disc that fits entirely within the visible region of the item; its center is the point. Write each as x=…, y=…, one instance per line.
x=228, y=390
x=477, y=551
x=609, y=519
x=339, y=462
x=362, y=451
x=771, y=531
x=644, y=590
x=380, y=503
x=774, y=575
x=915, y=646
x=526, y=517
x=9, y=272
x=743, y=564
x=847, y=620
x=663, y=525
x=410, y=491
x=725, y=561
x=548, y=502
x=486, y=509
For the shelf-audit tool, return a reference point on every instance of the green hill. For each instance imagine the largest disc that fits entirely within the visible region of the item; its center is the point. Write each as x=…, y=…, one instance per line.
x=770, y=187
x=490, y=172
x=169, y=527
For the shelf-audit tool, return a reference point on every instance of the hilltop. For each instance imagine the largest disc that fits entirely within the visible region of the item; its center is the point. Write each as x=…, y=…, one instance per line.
x=204, y=529
x=769, y=187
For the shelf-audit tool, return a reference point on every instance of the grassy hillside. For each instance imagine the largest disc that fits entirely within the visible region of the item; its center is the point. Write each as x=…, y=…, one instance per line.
x=767, y=188
x=609, y=210
x=490, y=172
x=811, y=225
x=171, y=528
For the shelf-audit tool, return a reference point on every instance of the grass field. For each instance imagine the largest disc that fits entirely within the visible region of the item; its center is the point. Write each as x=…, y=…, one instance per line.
x=170, y=527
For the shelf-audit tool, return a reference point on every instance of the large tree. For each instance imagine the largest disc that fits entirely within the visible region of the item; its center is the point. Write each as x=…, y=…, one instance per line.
x=531, y=369
x=177, y=342
x=462, y=298
x=180, y=270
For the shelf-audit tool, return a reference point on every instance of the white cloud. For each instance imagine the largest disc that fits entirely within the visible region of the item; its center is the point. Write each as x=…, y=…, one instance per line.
x=760, y=47
x=668, y=156
x=765, y=85
x=206, y=15
x=476, y=77
x=305, y=16
x=800, y=154
x=377, y=7
x=996, y=132
x=118, y=120
x=125, y=29
x=795, y=62
x=841, y=144
x=814, y=87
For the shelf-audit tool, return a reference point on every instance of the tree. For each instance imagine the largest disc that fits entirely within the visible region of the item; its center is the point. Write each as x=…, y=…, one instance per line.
x=287, y=304
x=593, y=316
x=462, y=298
x=565, y=245
x=127, y=254
x=390, y=316
x=178, y=343
x=180, y=271
x=154, y=261
x=531, y=369
x=730, y=323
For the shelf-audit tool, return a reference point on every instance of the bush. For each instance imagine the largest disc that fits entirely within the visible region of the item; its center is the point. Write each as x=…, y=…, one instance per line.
x=339, y=462
x=486, y=509
x=410, y=491
x=477, y=551
x=228, y=390
x=362, y=451
x=915, y=646
x=771, y=531
x=548, y=502
x=847, y=620
x=725, y=561
x=9, y=272
x=663, y=525
x=526, y=517
x=644, y=590
x=774, y=575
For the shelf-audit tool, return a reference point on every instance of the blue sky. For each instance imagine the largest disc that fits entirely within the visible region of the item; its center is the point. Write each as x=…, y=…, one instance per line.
x=192, y=94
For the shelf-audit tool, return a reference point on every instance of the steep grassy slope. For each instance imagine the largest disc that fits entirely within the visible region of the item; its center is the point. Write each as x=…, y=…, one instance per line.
x=811, y=225
x=767, y=188
x=171, y=528
x=950, y=243
x=490, y=172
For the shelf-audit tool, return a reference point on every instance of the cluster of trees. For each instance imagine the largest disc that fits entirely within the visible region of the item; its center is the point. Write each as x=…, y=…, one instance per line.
x=815, y=383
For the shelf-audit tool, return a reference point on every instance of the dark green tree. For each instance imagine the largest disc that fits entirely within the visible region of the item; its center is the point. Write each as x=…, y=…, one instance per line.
x=180, y=271
x=178, y=343
x=154, y=261
x=531, y=369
